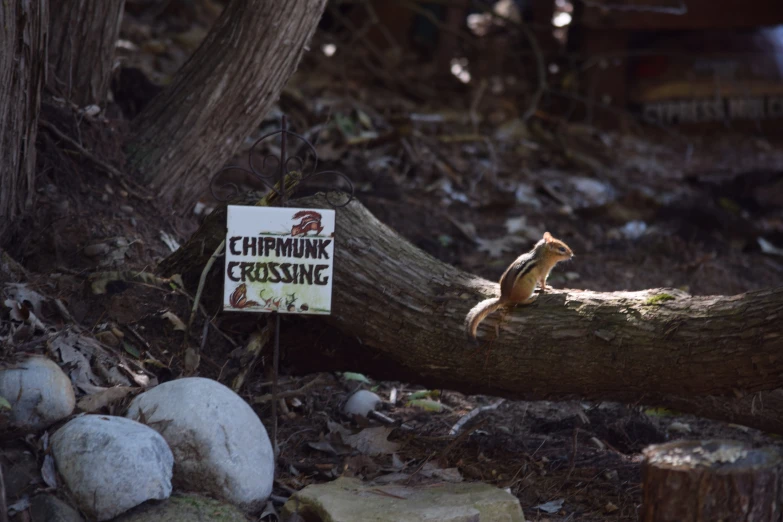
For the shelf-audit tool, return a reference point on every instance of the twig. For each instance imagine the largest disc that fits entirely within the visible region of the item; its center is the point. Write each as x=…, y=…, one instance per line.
x=573, y=457
x=202, y=281
x=113, y=172
x=419, y=468
x=258, y=339
x=462, y=436
x=291, y=393
x=465, y=418
x=204, y=332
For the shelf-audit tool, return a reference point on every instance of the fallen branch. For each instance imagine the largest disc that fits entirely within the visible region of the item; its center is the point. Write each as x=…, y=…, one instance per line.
x=707, y=355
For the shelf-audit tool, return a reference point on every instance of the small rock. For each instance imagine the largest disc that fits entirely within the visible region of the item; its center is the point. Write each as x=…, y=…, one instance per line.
x=184, y=508
x=345, y=500
x=220, y=446
x=361, y=403
x=107, y=338
x=39, y=392
x=98, y=249
x=51, y=509
x=111, y=464
x=127, y=209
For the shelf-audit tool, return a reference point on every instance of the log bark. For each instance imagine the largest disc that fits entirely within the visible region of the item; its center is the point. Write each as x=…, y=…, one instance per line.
x=23, y=34
x=718, y=356
x=220, y=95
x=700, y=481
x=81, y=48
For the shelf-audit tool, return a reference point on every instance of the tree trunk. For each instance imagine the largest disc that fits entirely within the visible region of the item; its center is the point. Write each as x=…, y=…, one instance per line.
x=220, y=95
x=701, y=481
x=23, y=33
x=81, y=48
x=406, y=310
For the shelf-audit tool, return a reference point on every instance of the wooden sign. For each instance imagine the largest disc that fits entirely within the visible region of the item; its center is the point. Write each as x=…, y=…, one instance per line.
x=279, y=260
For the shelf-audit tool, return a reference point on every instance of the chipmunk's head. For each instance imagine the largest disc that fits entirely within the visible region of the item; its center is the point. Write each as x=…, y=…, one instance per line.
x=556, y=248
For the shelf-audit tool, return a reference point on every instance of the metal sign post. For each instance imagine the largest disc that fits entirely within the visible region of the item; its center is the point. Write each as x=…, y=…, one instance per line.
x=247, y=243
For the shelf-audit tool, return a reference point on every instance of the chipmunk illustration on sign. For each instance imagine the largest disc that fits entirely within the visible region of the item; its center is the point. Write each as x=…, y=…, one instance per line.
x=311, y=221
x=238, y=298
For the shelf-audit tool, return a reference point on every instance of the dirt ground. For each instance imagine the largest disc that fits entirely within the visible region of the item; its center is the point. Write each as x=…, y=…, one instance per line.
x=643, y=208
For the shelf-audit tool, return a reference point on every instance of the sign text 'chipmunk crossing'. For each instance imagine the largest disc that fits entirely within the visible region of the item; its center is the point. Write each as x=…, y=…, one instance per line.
x=279, y=260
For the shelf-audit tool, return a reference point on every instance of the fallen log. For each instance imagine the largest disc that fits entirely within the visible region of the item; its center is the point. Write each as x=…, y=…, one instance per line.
x=717, y=356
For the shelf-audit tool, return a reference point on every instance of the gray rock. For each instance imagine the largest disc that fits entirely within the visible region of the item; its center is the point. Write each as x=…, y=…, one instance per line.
x=48, y=508
x=361, y=403
x=220, y=446
x=350, y=500
x=184, y=508
x=39, y=392
x=111, y=464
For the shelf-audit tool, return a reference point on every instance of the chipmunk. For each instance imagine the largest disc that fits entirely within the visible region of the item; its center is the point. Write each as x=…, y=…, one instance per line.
x=519, y=280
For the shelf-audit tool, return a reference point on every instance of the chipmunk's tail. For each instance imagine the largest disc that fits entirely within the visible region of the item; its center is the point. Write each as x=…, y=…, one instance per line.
x=477, y=314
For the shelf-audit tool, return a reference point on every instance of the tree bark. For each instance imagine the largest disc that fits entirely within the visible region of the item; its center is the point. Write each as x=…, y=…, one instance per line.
x=196, y=124
x=23, y=34
x=710, y=355
x=81, y=48
x=700, y=481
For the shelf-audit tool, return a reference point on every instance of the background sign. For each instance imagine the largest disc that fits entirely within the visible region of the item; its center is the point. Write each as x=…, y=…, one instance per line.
x=279, y=260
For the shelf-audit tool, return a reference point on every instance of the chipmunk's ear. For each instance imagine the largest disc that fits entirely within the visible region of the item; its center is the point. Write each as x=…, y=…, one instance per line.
x=548, y=237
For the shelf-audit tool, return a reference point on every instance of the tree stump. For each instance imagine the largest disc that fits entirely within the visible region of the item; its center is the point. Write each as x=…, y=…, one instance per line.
x=715, y=480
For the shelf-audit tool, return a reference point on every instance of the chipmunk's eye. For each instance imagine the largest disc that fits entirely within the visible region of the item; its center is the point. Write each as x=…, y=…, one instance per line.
x=562, y=249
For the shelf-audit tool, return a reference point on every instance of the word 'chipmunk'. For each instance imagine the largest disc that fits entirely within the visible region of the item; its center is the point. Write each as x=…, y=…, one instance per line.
x=519, y=280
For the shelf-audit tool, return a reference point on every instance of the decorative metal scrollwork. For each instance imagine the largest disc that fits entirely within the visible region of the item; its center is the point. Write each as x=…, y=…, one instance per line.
x=275, y=167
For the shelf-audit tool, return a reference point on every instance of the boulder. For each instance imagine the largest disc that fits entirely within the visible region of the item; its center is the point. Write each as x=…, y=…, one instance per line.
x=220, y=445
x=111, y=464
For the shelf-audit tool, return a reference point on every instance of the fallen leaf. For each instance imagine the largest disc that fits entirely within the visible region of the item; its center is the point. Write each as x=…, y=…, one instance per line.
x=21, y=293
x=47, y=471
x=176, y=322
x=96, y=401
x=352, y=376
x=551, y=507
x=74, y=351
x=373, y=441
x=324, y=446
x=427, y=405
x=430, y=469
x=128, y=347
x=423, y=394
x=769, y=248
